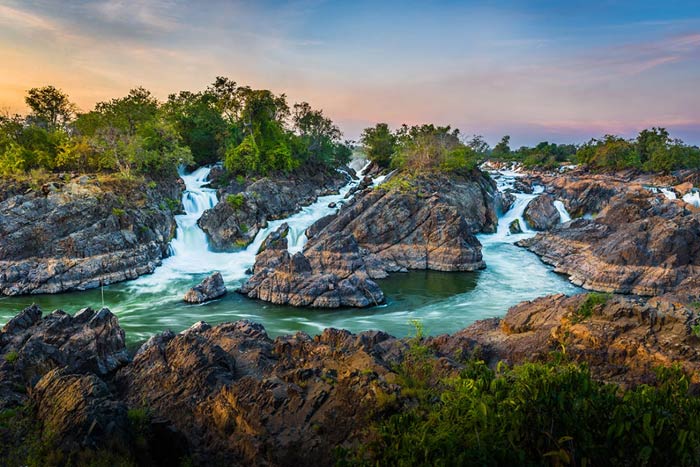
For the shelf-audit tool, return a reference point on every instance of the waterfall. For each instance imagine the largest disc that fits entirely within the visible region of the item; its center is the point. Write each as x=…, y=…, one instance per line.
x=191, y=255
x=563, y=213
x=668, y=193
x=505, y=180
x=693, y=198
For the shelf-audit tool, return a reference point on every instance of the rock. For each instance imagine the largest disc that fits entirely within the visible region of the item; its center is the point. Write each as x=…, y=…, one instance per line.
x=31, y=346
x=329, y=275
x=237, y=396
x=623, y=340
x=504, y=201
x=683, y=188
x=230, y=226
x=541, y=214
x=381, y=231
x=514, y=227
x=80, y=412
x=82, y=234
x=209, y=289
x=276, y=240
x=640, y=243
x=332, y=205
x=522, y=186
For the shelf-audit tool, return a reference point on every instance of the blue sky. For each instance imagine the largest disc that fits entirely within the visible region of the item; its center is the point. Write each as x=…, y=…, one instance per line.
x=537, y=70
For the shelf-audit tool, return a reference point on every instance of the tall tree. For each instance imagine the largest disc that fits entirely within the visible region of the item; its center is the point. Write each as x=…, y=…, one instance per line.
x=379, y=144
x=50, y=106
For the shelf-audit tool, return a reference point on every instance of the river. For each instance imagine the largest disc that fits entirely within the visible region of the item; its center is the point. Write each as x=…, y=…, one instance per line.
x=443, y=302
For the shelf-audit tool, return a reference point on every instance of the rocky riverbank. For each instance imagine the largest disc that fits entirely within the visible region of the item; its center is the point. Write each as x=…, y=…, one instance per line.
x=634, y=239
x=245, y=206
x=421, y=222
x=75, y=233
x=228, y=394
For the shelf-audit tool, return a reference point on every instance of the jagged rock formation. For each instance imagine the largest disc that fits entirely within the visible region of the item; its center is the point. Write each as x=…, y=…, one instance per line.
x=229, y=394
x=245, y=208
x=541, y=214
x=209, y=289
x=622, y=339
x=640, y=243
x=383, y=230
x=329, y=275
x=77, y=235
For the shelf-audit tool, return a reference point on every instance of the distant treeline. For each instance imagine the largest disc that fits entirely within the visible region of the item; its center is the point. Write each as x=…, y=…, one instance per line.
x=254, y=132
x=430, y=147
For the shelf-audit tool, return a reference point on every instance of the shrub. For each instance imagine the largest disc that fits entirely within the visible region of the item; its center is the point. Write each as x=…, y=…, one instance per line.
x=11, y=356
x=538, y=414
x=118, y=212
x=235, y=201
x=585, y=310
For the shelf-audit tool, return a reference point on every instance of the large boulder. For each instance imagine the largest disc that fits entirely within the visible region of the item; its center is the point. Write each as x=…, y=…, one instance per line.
x=209, y=289
x=541, y=214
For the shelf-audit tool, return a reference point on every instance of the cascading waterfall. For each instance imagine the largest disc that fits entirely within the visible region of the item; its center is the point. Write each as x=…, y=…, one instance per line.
x=692, y=198
x=191, y=255
x=563, y=213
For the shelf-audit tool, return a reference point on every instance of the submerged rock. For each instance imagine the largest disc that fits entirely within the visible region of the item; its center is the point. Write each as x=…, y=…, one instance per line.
x=209, y=289
x=541, y=213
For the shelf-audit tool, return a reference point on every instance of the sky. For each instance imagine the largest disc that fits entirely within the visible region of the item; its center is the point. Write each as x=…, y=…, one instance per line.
x=536, y=70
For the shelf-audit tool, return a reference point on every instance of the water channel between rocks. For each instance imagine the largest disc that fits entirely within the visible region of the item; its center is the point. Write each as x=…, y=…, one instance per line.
x=443, y=302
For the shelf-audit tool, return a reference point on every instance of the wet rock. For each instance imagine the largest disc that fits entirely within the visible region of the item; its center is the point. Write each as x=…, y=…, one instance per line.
x=276, y=240
x=504, y=201
x=332, y=205
x=209, y=289
x=231, y=225
x=79, y=235
x=514, y=227
x=541, y=214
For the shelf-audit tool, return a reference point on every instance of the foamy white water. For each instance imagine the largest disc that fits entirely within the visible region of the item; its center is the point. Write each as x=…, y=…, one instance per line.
x=692, y=198
x=563, y=213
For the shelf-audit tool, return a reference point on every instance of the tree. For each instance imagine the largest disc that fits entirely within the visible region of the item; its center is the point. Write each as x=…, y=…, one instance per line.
x=649, y=141
x=50, y=106
x=502, y=149
x=379, y=144
x=478, y=144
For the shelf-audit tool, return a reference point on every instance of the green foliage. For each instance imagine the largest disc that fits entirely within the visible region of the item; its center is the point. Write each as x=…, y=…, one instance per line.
x=118, y=212
x=538, y=414
x=11, y=356
x=397, y=183
x=593, y=300
x=379, y=144
x=236, y=201
x=50, y=107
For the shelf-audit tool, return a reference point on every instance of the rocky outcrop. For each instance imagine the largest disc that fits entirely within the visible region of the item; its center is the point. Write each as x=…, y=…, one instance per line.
x=209, y=289
x=79, y=234
x=329, y=275
x=230, y=395
x=514, y=227
x=541, y=214
x=245, y=208
x=622, y=339
x=430, y=225
x=640, y=243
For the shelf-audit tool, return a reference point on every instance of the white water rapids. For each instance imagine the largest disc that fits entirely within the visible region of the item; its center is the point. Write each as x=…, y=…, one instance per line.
x=442, y=301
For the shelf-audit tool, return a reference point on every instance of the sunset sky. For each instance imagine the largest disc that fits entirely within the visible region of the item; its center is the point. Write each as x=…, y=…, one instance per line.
x=560, y=71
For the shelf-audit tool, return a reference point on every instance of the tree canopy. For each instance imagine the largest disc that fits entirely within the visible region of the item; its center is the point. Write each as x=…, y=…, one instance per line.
x=252, y=131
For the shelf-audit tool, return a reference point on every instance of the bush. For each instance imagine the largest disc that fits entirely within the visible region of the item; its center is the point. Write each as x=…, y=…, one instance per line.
x=235, y=201
x=11, y=356
x=593, y=300
x=538, y=414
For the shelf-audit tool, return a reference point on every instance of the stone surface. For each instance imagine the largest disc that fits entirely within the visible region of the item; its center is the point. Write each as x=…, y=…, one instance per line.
x=266, y=199
x=430, y=226
x=78, y=235
x=640, y=243
x=209, y=289
x=541, y=214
